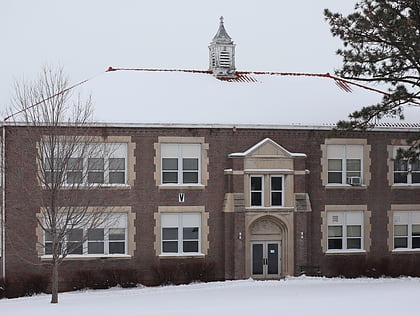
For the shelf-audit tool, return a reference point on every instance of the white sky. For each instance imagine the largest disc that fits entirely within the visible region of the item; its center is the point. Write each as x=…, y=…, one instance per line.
x=85, y=37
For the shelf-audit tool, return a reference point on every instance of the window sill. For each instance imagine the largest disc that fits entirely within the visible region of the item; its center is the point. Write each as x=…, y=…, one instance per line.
x=181, y=256
x=89, y=257
x=345, y=186
x=406, y=251
x=345, y=252
x=95, y=186
x=182, y=186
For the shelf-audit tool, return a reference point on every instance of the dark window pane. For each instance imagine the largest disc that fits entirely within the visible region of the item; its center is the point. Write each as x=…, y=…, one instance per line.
x=116, y=247
x=415, y=166
x=190, y=164
x=335, y=231
x=401, y=230
x=48, y=237
x=256, y=199
x=74, y=248
x=276, y=183
x=75, y=164
x=257, y=259
x=170, y=164
x=117, y=164
x=190, y=178
x=416, y=242
x=170, y=246
x=48, y=248
x=256, y=183
x=74, y=177
x=335, y=178
x=353, y=165
x=96, y=164
x=354, y=230
x=400, y=242
x=400, y=165
x=116, y=234
x=335, y=165
x=276, y=199
x=96, y=177
x=96, y=234
x=190, y=246
x=95, y=247
x=190, y=233
x=400, y=178
x=354, y=243
x=75, y=235
x=170, y=234
x=170, y=178
x=53, y=177
x=335, y=244
x=117, y=178
x=415, y=178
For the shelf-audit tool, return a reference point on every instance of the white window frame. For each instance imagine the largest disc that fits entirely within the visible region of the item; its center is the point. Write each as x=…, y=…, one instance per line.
x=346, y=222
x=277, y=191
x=410, y=168
x=344, y=156
x=180, y=217
x=253, y=191
x=409, y=219
x=178, y=154
x=119, y=221
x=116, y=151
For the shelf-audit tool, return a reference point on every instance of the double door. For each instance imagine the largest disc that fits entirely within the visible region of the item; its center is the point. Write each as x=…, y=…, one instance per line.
x=265, y=259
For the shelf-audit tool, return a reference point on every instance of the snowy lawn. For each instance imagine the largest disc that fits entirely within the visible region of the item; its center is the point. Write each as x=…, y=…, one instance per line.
x=291, y=296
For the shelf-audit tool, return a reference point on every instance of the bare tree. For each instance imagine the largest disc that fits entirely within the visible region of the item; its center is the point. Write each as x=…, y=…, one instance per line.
x=60, y=123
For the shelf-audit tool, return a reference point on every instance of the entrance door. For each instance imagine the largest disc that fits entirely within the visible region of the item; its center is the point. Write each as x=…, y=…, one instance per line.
x=265, y=259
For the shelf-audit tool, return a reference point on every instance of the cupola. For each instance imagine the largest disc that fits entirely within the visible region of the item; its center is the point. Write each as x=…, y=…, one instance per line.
x=222, y=54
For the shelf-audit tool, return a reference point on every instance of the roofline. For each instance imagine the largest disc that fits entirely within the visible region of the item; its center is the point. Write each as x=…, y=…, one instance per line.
x=400, y=127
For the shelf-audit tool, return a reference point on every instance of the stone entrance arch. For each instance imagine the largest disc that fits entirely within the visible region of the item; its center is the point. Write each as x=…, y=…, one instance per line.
x=269, y=249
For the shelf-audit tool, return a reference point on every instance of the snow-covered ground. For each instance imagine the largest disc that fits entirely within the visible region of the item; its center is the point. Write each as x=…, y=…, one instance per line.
x=291, y=296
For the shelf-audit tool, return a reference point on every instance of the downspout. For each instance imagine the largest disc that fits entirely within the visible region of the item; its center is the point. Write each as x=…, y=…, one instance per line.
x=3, y=206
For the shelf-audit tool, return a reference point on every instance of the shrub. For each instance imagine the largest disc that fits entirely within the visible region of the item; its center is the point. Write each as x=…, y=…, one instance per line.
x=175, y=273
x=25, y=285
x=105, y=278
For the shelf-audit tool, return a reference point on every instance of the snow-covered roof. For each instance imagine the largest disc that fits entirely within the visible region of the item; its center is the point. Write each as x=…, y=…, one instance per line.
x=199, y=98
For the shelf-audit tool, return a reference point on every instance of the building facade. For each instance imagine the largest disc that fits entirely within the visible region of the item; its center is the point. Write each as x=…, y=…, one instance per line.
x=257, y=201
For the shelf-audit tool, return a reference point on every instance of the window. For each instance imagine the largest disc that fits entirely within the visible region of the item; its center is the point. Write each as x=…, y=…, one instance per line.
x=276, y=183
x=181, y=233
x=405, y=172
x=345, y=230
x=101, y=164
x=345, y=164
x=407, y=229
x=257, y=191
x=107, y=239
x=266, y=190
x=181, y=164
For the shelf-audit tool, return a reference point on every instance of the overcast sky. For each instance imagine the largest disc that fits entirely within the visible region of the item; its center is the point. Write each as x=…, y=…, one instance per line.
x=87, y=36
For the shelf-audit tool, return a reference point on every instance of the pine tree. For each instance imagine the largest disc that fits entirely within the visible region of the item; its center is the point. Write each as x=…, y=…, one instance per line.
x=381, y=41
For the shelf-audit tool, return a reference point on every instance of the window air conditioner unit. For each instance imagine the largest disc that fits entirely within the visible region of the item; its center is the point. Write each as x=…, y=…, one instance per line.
x=354, y=181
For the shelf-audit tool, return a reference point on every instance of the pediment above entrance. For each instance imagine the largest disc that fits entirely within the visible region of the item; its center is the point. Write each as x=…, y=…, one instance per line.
x=267, y=148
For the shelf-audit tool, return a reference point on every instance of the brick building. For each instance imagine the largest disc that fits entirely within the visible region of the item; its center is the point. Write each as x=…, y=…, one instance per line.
x=259, y=202
x=256, y=201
